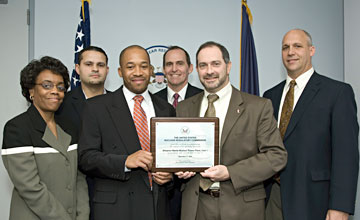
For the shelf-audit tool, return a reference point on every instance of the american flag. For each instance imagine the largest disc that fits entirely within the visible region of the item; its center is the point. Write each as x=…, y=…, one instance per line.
x=82, y=39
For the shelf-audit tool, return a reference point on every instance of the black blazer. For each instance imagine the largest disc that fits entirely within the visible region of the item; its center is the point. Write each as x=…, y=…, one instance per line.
x=108, y=137
x=190, y=91
x=175, y=194
x=322, y=144
x=72, y=107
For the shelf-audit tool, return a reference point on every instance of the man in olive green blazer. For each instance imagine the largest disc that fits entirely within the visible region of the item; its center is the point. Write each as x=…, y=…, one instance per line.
x=251, y=148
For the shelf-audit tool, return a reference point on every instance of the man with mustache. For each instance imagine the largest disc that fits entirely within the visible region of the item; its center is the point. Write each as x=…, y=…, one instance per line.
x=318, y=123
x=250, y=151
x=114, y=146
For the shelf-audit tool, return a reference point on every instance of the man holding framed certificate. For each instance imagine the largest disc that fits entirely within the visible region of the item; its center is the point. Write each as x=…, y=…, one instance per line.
x=251, y=149
x=114, y=146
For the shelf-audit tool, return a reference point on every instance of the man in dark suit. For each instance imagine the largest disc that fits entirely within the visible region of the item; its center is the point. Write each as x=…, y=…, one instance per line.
x=92, y=69
x=177, y=67
x=251, y=149
x=318, y=122
x=113, y=147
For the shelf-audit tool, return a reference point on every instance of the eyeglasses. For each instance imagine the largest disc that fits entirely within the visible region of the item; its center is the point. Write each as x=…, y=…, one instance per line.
x=50, y=85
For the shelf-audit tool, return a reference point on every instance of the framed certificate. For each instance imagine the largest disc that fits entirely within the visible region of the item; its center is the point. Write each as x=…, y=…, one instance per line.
x=184, y=144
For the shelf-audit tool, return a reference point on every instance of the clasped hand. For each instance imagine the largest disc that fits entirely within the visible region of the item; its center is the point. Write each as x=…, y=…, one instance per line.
x=216, y=173
x=143, y=159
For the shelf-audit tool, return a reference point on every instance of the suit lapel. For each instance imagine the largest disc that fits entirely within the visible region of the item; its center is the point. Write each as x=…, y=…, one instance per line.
x=61, y=143
x=189, y=91
x=277, y=99
x=123, y=121
x=160, y=109
x=45, y=133
x=77, y=100
x=37, y=121
x=194, y=109
x=235, y=110
x=306, y=97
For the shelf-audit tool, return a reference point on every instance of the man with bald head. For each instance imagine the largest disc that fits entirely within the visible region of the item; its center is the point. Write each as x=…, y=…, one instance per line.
x=114, y=146
x=318, y=123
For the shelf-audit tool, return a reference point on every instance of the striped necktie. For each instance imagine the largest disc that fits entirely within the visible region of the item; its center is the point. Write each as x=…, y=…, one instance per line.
x=176, y=99
x=142, y=127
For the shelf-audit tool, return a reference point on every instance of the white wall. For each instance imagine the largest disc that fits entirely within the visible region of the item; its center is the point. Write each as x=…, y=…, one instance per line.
x=323, y=19
x=188, y=23
x=13, y=57
x=351, y=57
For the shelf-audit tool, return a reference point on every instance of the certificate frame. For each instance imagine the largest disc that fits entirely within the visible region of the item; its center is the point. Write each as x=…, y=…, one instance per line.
x=154, y=124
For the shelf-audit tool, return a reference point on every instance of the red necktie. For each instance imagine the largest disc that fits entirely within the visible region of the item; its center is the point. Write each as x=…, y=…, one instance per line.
x=176, y=99
x=142, y=127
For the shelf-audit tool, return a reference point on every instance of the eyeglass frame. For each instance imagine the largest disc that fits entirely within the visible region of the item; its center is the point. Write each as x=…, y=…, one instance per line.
x=48, y=85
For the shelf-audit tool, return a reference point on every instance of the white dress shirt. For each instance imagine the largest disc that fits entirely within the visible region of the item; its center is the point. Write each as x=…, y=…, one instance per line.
x=301, y=82
x=221, y=105
x=146, y=104
x=170, y=94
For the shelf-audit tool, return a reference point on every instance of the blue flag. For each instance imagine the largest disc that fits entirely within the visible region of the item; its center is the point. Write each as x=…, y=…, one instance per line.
x=82, y=39
x=249, y=80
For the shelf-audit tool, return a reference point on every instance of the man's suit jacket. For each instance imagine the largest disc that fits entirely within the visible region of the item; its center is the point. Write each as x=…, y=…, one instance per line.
x=72, y=106
x=322, y=144
x=108, y=137
x=175, y=195
x=190, y=91
x=71, y=110
x=250, y=148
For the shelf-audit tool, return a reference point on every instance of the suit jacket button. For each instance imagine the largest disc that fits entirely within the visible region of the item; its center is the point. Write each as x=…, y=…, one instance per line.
x=70, y=210
x=196, y=193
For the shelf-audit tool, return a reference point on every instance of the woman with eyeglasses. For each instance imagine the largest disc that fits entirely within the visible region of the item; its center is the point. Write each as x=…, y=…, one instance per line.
x=40, y=152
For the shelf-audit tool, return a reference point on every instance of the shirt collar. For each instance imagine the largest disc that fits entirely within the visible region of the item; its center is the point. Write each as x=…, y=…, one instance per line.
x=301, y=80
x=181, y=93
x=130, y=95
x=221, y=93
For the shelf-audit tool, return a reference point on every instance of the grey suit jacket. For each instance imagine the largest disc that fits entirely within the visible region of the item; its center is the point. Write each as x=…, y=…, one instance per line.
x=251, y=149
x=44, y=171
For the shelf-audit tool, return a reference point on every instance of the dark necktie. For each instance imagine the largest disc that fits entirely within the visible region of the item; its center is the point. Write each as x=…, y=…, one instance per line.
x=142, y=127
x=287, y=109
x=205, y=183
x=176, y=99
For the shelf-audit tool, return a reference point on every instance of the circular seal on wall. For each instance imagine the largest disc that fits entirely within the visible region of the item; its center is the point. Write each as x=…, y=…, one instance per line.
x=157, y=80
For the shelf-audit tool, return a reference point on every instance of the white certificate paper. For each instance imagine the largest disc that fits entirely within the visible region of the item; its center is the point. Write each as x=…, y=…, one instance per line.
x=185, y=144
